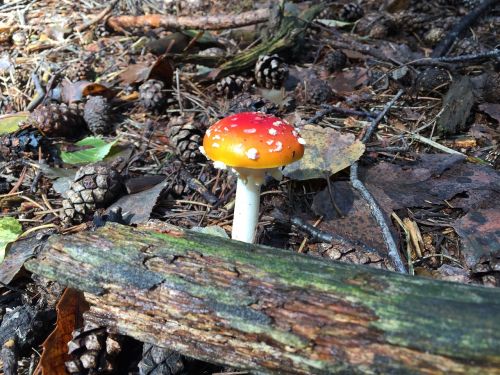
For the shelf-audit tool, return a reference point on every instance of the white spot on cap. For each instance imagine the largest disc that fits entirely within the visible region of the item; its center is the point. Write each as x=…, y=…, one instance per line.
x=295, y=134
x=277, y=123
x=277, y=148
x=217, y=136
x=233, y=125
x=302, y=141
x=250, y=131
x=202, y=150
x=209, y=131
x=252, y=153
x=226, y=129
x=270, y=142
x=219, y=165
x=273, y=131
x=215, y=145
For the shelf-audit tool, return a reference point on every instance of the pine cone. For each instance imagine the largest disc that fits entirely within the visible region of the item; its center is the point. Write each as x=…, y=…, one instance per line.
x=102, y=31
x=434, y=36
x=79, y=71
x=58, y=120
x=185, y=138
x=335, y=61
x=97, y=115
x=432, y=79
x=315, y=91
x=24, y=143
x=6, y=104
x=93, y=351
x=351, y=12
x=412, y=22
x=94, y=186
x=270, y=71
x=153, y=94
x=160, y=361
x=230, y=86
x=246, y=102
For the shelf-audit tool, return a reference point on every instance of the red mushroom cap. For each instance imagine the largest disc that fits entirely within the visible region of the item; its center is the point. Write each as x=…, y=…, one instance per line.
x=253, y=140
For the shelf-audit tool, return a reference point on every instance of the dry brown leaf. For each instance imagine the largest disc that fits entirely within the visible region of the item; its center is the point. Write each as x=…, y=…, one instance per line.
x=76, y=91
x=492, y=109
x=480, y=233
x=327, y=152
x=350, y=80
x=161, y=70
x=55, y=348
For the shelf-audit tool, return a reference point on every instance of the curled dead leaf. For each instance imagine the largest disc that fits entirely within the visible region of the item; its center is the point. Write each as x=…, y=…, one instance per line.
x=327, y=152
x=70, y=308
x=76, y=91
x=161, y=70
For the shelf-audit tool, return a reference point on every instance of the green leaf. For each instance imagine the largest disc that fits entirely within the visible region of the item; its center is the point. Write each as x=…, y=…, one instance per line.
x=334, y=23
x=10, y=229
x=97, y=150
x=205, y=38
x=10, y=123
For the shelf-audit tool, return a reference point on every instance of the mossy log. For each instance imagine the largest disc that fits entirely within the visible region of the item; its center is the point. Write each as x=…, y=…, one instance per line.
x=274, y=311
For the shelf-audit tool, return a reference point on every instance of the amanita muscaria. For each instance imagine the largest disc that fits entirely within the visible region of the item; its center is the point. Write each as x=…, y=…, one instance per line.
x=252, y=144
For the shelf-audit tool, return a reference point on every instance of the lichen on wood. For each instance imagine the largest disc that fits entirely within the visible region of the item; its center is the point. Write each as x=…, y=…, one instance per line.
x=271, y=310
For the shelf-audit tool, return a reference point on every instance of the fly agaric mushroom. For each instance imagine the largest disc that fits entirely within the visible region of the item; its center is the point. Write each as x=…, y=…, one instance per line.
x=252, y=144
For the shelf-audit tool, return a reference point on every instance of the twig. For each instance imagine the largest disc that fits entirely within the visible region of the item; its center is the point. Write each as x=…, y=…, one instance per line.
x=316, y=234
x=461, y=59
x=374, y=124
x=197, y=185
x=220, y=22
x=377, y=213
x=39, y=95
x=97, y=18
x=343, y=111
x=468, y=20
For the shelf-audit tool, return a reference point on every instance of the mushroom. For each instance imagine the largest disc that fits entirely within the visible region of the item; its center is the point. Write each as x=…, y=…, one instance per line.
x=252, y=144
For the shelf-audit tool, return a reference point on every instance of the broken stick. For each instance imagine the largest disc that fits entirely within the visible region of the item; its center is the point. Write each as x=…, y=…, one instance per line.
x=220, y=22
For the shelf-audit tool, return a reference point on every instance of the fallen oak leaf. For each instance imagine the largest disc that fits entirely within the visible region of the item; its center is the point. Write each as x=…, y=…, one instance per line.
x=327, y=152
x=70, y=308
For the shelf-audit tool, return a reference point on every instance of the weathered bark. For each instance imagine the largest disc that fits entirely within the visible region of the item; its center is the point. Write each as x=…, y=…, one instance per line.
x=272, y=310
x=220, y=22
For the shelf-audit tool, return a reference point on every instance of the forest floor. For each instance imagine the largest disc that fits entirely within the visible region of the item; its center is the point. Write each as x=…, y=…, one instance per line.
x=384, y=96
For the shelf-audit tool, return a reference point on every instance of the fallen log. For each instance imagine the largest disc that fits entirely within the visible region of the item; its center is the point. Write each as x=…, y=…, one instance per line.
x=274, y=311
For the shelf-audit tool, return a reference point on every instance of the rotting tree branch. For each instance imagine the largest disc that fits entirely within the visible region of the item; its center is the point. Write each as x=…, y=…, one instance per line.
x=219, y=22
x=274, y=311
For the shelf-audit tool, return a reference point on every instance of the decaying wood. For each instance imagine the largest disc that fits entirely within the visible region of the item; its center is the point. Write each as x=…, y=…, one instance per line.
x=271, y=310
x=219, y=22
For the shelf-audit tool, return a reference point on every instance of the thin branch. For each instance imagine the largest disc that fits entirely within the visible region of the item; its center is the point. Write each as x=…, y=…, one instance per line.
x=97, y=18
x=316, y=234
x=468, y=20
x=378, y=215
x=374, y=125
x=461, y=59
x=219, y=22
x=343, y=111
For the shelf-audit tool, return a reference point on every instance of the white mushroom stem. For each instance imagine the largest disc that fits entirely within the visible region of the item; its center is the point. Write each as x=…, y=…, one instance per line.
x=247, y=201
x=246, y=209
